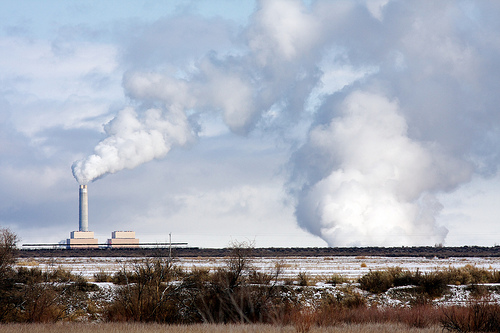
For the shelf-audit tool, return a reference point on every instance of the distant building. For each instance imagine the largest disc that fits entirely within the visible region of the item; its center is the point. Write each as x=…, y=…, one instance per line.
x=122, y=239
x=82, y=239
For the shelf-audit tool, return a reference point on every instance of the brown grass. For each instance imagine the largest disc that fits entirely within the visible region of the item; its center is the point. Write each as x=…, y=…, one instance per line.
x=205, y=328
x=477, y=317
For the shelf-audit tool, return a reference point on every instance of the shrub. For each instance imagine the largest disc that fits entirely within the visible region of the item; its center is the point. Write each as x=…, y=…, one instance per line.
x=60, y=275
x=196, y=278
x=468, y=274
x=146, y=295
x=29, y=275
x=478, y=291
x=102, y=276
x=337, y=279
x=123, y=277
x=477, y=317
x=376, y=281
x=344, y=298
x=42, y=303
x=433, y=284
x=404, y=277
x=303, y=279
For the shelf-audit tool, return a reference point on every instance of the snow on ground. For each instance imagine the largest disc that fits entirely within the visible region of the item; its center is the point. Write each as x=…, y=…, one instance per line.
x=348, y=267
x=317, y=269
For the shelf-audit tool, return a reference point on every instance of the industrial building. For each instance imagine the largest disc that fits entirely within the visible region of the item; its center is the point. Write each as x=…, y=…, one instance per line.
x=83, y=238
x=121, y=239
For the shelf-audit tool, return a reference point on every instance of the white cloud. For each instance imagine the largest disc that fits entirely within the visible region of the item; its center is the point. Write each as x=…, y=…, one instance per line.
x=283, y=30
x=47, y=90
x=376, y=8
x=380, y=189
x=423, y=119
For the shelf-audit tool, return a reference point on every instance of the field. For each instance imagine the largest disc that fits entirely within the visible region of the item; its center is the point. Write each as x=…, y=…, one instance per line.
x=349, y=267
x=205, y=328
x=265, y=293
x=315, y=272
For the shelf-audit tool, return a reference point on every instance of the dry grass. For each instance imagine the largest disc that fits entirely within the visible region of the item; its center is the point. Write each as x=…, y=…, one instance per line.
x=28, y=263
x=205, y=328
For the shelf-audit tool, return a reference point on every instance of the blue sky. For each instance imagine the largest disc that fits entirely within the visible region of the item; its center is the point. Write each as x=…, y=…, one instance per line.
x=42, y=19
x=284, y=123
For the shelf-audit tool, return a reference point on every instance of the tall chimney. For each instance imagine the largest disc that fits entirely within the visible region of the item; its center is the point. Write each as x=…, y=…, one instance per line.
x=84, y=209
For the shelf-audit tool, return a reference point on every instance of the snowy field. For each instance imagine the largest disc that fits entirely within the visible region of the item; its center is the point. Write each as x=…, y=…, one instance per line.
x=349, y=267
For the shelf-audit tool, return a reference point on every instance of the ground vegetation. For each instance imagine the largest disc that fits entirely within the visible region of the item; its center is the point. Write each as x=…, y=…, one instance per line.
x=155, y=290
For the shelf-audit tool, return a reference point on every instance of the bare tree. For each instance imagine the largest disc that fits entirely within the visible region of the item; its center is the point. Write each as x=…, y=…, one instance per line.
x=8, y=253
x=8, y=249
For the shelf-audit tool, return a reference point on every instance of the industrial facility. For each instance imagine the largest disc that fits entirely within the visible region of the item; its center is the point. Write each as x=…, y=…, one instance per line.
x=83, y=238
x=120, y=239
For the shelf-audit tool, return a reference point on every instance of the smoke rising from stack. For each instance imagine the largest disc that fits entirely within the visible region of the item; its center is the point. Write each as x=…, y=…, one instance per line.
x=377, y=186
x=132, y=140
x=379, y=148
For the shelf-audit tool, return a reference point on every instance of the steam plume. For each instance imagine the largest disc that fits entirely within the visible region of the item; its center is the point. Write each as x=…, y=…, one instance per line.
x=133, y=140
x=374, y=160
x=377, y=188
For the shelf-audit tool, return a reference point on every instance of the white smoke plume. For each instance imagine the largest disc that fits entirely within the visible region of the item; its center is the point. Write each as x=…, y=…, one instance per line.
x=374, y=160
x=133, y=140
x=378, y=189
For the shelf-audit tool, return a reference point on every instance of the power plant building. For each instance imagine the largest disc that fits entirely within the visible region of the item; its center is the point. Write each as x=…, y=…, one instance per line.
x=123, y=239
x=83, y=238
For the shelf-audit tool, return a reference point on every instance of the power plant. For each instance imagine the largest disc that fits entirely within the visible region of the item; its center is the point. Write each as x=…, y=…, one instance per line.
x=83, y=238
x=123, y=239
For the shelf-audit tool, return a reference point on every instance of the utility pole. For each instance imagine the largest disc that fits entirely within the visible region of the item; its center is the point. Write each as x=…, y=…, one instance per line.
x=170, y=247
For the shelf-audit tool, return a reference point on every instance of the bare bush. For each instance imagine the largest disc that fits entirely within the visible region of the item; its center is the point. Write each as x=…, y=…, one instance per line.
x=477, y=317
x=102, y=276
x=237, y=293
x=147, y=295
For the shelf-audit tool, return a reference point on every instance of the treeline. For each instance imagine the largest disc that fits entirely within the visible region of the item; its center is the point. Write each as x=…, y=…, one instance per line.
x=156, y=290
x=422, y=251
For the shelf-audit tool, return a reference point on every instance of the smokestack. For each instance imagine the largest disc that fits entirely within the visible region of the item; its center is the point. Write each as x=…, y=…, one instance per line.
x=84, y=209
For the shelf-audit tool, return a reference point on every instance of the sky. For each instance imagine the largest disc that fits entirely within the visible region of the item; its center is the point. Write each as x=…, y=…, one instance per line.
x=283, y=123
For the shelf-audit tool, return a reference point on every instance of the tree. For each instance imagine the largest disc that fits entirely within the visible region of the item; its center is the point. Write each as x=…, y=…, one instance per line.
x=8, y=253
x=8, y=250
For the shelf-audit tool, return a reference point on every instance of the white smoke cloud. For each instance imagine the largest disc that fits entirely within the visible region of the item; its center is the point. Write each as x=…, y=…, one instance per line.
x=376, y=8
x=133, y=140
x=374, y=162
x=282, y=31
x=380, y=190
x=212, y=90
